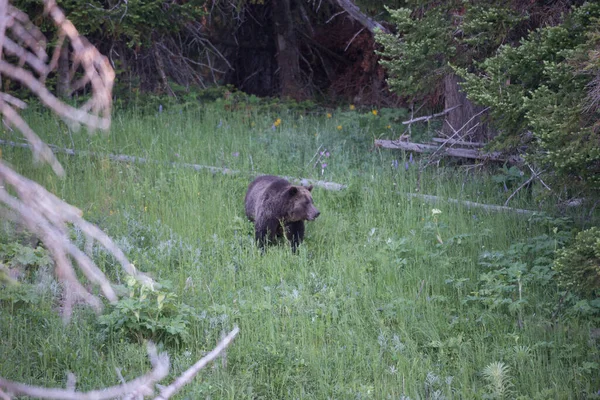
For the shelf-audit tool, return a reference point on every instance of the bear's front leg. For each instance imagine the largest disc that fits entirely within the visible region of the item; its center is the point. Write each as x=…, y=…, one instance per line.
x=294, y=231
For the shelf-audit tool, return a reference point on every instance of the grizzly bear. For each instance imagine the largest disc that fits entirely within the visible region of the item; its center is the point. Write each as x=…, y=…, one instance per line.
x=274, y=204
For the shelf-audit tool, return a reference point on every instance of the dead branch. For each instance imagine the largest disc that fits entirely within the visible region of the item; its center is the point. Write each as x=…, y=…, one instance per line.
x=142, y=386
x=135, y=389
x=357, y=15
x=453, y=152
x=40, y=150
x=198, y=167
x=50, y=218
x=191, y=372
x=428, y=117
x=20, y=38
x=13, y=101
x=469, y=204
x=457, y=132
x=534, y=176
x=41, y=212
x=457, y=142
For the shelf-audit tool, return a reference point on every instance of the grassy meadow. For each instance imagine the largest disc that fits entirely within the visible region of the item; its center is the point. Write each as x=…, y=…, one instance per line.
x=387, y=298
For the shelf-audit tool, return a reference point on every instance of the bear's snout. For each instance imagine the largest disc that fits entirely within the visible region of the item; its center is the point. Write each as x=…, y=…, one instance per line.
x=313, y=214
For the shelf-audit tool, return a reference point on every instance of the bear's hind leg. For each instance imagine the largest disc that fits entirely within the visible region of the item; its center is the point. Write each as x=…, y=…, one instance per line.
x=265, y=233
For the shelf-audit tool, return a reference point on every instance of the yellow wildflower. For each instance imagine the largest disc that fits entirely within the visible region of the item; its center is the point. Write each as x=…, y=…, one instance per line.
x=339, y=127
x=352, y=107
x=389, y=127
x=375, y=112
x=329, y=115
x=277, y=122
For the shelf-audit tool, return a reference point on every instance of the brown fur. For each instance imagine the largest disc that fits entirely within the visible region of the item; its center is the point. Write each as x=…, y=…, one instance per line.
x=273, y=203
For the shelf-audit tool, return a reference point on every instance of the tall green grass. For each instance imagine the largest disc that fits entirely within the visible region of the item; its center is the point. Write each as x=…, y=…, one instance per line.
x=374, y=305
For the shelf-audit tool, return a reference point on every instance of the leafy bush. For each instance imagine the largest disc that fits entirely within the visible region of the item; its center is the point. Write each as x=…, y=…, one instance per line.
x=25, y=275
x=24, y=258
x=578, y=265
x=513, y=278
x=153, y=313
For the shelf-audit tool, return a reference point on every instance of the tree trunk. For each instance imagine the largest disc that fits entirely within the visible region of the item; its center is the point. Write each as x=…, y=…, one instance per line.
x=63, y=84
x=288, y=54
x=464, y=121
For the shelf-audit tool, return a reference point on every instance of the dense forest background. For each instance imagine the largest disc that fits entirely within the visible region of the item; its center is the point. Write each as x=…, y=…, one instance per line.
x=522, y=76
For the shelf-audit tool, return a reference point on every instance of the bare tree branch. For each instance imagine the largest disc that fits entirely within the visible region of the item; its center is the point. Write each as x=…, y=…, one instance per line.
x=143, y=385
x=428, y=117
x=355, y=13
x=41, y=212
x=135, y=389
x=49, y=217
x=189, y=374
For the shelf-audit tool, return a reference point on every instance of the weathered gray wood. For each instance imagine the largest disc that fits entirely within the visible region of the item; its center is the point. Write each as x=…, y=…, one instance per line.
x=198, y=167
x=469, y=204
x=355, y=13
x=452, y=142
x=428, y=117
x=448, y=151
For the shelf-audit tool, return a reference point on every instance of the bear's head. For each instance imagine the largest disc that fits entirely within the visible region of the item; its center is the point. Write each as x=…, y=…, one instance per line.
x=300, y=204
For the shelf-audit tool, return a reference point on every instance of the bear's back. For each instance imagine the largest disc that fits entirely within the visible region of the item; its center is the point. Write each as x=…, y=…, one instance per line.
x=260, y=190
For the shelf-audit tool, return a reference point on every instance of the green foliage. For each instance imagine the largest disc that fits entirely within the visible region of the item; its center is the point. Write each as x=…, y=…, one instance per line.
x=429, y=36
x=28, y=265
x=138, y=23
x=578, y=264
x=415, y=56
x=17, y=255
x=508, y=176
x=536, y=94
x=150, y=313
x=515, y=276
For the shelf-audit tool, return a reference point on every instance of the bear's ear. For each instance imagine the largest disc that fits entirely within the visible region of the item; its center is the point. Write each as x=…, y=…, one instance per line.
x=292, y=191
x=310, y=188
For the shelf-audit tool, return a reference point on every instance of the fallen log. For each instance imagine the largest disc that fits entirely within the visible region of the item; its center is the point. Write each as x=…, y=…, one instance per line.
x=448, y=151
x=470, y=204
x=452, y=142
x=198, y=167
